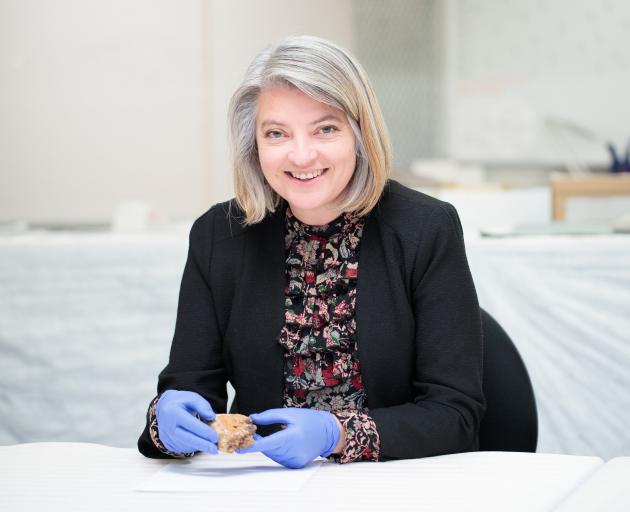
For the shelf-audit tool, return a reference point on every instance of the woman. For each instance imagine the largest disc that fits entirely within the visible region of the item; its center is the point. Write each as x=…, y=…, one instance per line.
x=338, y=303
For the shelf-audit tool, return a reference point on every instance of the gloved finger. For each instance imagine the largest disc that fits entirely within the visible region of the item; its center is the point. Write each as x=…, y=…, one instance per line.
x=264, y=444
x=271, y=416
x=197, y=427
x=193, y=442
x=194, y=402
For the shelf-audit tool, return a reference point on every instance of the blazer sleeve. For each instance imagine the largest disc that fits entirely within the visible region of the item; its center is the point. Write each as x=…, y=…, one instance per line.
x=448, y=402
x=195, y=361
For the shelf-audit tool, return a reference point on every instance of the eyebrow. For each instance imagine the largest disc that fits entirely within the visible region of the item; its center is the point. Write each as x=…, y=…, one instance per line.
x=327, y=117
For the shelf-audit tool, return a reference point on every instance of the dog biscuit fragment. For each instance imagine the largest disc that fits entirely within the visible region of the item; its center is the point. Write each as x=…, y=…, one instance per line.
x=235, y=431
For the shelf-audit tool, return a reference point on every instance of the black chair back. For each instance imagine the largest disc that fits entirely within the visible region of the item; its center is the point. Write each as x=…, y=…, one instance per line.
x=511, y=420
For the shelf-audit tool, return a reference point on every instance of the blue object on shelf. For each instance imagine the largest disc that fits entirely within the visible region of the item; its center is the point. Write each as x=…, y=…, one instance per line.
x=619, y=164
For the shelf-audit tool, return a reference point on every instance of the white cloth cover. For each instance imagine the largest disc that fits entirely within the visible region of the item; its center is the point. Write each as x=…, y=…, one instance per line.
x=86, y=322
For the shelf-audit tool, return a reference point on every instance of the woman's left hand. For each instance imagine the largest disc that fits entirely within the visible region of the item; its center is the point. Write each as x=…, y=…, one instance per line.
x=309, y=433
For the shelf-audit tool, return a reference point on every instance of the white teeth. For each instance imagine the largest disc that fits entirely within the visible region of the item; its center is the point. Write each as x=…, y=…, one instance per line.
x=308, y=175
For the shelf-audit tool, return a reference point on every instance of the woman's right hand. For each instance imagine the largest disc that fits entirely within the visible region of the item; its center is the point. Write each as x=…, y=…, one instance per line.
x=178, y=429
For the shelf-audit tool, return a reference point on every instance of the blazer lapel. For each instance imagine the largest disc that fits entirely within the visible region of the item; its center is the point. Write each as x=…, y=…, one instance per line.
x=371, y=308
x=259, y=317
x=267, y=254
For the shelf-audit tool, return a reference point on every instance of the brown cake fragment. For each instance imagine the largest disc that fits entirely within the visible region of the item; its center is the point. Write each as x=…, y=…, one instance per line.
x=235, y=431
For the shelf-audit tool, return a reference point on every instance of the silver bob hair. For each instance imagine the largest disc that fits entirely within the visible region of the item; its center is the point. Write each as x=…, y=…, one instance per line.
x=328, y=74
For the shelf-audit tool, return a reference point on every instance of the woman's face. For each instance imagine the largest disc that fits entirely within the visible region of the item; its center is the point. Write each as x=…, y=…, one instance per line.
x=306, y=150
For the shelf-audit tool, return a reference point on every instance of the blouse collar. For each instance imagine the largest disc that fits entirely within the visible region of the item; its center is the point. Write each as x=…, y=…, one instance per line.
x=344, y=223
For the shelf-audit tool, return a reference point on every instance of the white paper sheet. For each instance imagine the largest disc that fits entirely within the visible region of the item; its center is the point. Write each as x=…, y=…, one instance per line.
x=228, y=473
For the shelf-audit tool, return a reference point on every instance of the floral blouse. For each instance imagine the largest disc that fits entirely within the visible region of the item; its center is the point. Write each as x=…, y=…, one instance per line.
x=321, y=363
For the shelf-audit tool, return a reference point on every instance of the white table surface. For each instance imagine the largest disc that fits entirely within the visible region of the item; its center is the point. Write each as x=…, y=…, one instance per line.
x=607, y=490
x=82, y=476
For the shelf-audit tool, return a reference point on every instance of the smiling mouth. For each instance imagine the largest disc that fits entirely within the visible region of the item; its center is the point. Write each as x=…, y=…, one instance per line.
x=308, y=176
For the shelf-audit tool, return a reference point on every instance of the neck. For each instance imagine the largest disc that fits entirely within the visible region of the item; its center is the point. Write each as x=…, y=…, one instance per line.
x=315, y=218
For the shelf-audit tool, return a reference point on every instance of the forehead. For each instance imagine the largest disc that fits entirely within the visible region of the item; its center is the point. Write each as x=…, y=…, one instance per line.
x=285, y=103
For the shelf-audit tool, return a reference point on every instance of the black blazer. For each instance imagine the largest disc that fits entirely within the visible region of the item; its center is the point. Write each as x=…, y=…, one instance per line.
x=418, y=324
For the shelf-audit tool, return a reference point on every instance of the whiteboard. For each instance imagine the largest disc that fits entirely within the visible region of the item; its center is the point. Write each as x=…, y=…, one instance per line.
x=544, y=81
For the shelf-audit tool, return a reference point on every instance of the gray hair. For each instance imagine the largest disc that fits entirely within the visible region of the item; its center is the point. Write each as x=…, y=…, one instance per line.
x=329, y=74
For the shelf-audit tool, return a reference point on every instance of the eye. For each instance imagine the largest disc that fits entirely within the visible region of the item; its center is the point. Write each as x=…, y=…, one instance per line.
x=328, y=129
x=273, y=134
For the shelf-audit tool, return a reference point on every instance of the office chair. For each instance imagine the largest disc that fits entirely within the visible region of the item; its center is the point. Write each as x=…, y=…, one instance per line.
x=511, y=420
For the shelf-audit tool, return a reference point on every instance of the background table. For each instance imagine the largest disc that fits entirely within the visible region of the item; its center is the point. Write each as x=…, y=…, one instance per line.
x=565, y=301
x=69, y=477
x=86, y=322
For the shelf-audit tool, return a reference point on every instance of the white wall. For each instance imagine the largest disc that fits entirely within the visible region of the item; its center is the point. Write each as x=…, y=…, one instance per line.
x=541, y=83
x=103, y=102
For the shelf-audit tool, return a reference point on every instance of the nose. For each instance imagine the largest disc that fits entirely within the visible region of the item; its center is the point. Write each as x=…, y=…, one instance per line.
x=302, y=153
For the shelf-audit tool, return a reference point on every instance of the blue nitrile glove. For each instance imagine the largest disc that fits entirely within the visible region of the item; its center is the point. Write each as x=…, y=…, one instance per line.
x=308, y=433
x=178, y=429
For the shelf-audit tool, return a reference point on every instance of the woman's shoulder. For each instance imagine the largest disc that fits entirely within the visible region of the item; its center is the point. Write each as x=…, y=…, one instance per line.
x=226, y=221
x=408, y=210
x=222, y=220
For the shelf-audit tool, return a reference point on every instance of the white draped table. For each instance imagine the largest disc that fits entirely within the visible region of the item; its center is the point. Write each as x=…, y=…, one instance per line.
x=565, y=301
x=86, y=321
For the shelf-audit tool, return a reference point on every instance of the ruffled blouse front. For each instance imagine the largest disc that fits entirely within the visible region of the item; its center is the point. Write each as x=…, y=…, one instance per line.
x=320, y=297
x=321, y=367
